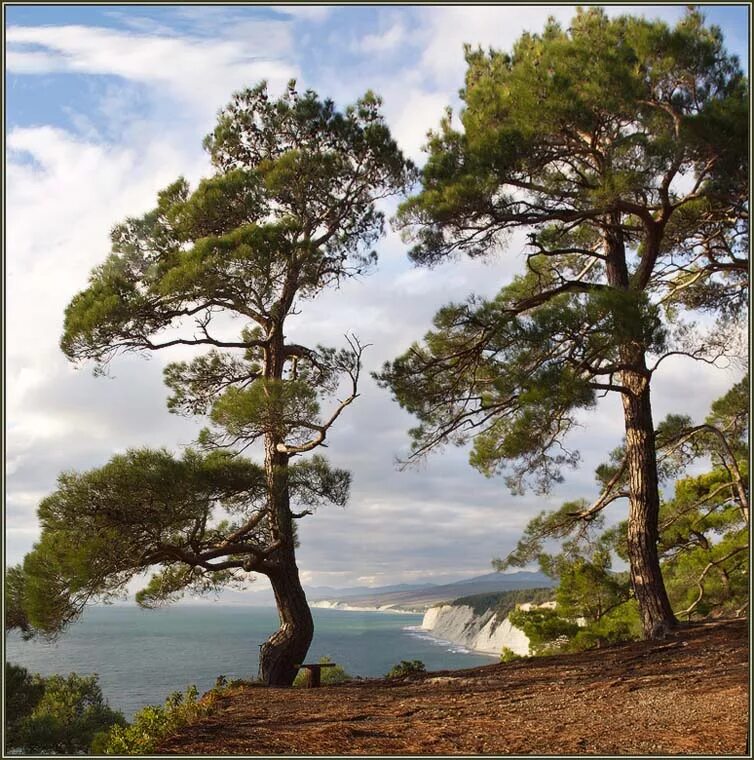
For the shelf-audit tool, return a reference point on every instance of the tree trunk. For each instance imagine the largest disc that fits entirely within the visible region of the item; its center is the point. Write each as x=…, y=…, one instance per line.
x=287, y=647
x=641, y=457
x=657, y=617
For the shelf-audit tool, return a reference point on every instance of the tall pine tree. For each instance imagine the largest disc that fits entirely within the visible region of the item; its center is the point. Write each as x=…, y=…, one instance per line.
x=290, y=212
x=620, y=146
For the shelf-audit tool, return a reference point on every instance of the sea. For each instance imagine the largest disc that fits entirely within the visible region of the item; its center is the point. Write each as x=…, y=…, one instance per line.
x=141, y=656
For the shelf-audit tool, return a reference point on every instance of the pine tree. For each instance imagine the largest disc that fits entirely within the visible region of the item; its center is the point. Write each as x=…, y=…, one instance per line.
x=620, y=147
x=290, y=212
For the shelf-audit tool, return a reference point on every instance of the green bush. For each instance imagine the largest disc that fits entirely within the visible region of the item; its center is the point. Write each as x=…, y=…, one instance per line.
x=153, y=723
x=616, y=626
x=22, y=694
x=508, y=655
x=328, y=676
x=57, y=714
x=549, y=632
x=407, y=668
x=546, y=630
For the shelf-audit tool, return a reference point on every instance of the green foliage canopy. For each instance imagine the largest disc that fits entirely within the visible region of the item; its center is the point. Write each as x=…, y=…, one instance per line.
x=22, y=694
x=586, y=139
x=57, y=714
x=290, y=211
x=704, y=527
x=515, y=382
x=15, y=615
x=576, y=124
x=619, y=147
x=146, y=509
x=543, y=627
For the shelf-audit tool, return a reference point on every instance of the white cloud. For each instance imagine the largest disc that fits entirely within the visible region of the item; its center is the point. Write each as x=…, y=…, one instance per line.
x=21, y=62
x=198, y=72
x=64, y=195
x=65, y=191
x=382, y=43
x=413, y=116
x=447, y=28
x=368, y=580
x=310, y=13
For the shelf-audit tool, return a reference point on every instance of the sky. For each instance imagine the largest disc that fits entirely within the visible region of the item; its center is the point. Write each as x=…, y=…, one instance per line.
x=106, y=105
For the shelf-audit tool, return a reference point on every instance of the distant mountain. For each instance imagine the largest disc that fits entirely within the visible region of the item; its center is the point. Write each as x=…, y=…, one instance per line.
x=421, y=597
x=259, y=594
x=329, y=592
x=413, y=596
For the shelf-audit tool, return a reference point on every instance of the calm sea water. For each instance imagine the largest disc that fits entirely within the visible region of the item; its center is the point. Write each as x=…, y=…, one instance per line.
x=143, y=655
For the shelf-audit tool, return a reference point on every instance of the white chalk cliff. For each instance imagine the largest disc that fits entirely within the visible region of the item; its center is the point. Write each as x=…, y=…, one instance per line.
x=482, y=633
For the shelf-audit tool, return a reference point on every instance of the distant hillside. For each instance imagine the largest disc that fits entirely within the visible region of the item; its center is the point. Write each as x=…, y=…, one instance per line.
x=425, y=596
x=505, y=601
x=329, y=592
x=259, y=594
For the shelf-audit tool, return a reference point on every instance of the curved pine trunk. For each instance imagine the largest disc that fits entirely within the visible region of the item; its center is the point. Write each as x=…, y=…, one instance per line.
x=287, y=647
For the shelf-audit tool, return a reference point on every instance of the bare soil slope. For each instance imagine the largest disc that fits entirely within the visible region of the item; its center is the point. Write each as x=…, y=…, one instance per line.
x=687, y=694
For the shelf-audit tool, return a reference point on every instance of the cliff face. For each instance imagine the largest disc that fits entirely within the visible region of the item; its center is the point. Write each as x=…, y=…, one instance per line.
x=483, y=633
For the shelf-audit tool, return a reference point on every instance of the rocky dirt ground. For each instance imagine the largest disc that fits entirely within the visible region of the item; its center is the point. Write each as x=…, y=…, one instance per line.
x=687, y=694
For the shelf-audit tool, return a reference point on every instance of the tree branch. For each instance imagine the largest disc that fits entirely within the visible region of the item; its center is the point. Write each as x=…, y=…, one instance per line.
x=321, y=430
x=571, y=286
x=700, y=579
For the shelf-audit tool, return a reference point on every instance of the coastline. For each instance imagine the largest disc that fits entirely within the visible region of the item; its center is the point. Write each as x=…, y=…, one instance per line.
x=453, y=646
x=325, y=604
x=460, y=647
x=141, y=656
x=480, y=633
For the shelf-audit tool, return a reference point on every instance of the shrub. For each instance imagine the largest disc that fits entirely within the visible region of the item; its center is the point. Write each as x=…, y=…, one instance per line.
x=22, y=694
x=153, y=723
x=546, y=630
x=57, y=714
x=407, y=668
x=508, y=655
x=619, y=625
x=549, y=632
x=328, y=676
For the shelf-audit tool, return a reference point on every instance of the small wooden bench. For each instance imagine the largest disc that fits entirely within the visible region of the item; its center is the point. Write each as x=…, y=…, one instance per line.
x=315, y=672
